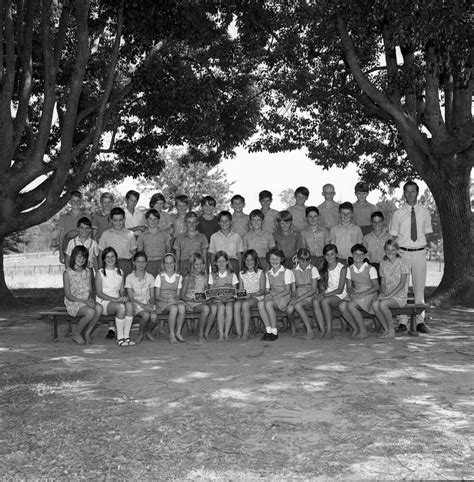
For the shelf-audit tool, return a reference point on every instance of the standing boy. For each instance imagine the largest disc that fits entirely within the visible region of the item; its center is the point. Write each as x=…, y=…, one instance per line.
x=409, y=226
x=240, y=220
x=121, y=239
x=314, y=236
x=227, y=240
x=182, y=208
x=208, y=223
x=258, y=239
x=345, y=234
x=158, y=202
x=265, y=199
x=376, y=239
x=101, y=218
x=298, y=210
x=329, y=210
x=362, y=208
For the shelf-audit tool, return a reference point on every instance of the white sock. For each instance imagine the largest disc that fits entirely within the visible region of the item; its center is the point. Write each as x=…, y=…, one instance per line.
x=274, y=331
x=269, y=329
x=120, y=324
x=128, y=326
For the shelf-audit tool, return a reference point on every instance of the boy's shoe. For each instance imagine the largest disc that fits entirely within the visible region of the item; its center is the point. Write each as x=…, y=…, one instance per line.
x=401, y=328
x=110, y=334
x=265, y=337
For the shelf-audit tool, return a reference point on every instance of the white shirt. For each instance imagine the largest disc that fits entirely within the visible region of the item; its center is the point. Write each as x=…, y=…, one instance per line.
x=400, y=226
x=135, y=219
x=289, y=277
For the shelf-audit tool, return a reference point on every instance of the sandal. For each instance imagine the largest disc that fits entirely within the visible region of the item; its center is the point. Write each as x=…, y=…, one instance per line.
x=129, y=342
x=122, y=342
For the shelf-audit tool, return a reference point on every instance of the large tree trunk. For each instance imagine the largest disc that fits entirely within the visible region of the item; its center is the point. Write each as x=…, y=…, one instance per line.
x=451, y=191
x=6, y=297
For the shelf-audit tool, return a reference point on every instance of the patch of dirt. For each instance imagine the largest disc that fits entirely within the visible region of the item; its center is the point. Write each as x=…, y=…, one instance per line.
x=291, y=409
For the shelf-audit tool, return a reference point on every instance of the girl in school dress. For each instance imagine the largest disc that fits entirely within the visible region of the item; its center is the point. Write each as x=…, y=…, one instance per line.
x=77, y=280
x=362, y=288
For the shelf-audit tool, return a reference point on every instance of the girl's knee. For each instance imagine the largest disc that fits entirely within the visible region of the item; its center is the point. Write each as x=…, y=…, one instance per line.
x=121, y=310
x=173, y=310
x=99, y=308
x=181, y=308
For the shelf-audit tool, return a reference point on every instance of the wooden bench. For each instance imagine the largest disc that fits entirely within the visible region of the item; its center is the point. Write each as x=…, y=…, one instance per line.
x=59, y=314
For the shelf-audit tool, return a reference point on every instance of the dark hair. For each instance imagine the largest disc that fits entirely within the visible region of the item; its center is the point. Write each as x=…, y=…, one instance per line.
x=216, y=256
x=208, y=200
x=84, y=220
x=132, y=193
x=276, y=252
x=303, y=253
x=357, y=247
x=377, y=214
x=191, y=214
x=107, y=250
x=106, y=195
x=324, y=269
x=237, y=197
x=76, y=194
x=256, y=260
x=116, y=212
x=411, y=183
x=222, y=214
x=284, y=216
x=155, y=213
x=78, y=250
x=302, y=190
x=346, y=205
x=311, y=209
x=156, y=197
x=264, y=195
x=257, y=213
x=182, y=198
x=139, y=254
x=361, y=187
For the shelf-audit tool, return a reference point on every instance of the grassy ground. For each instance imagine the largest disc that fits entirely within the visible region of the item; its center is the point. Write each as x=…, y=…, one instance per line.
x=240, y=411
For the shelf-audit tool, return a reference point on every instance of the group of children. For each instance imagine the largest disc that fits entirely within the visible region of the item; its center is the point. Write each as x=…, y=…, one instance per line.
x=304, y=259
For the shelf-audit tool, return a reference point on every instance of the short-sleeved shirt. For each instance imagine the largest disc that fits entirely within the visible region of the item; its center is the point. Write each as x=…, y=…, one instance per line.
x=375, y=245
x=155, y=245
x=100, y=223
x=240, y=223
x=187, y=245
x=122, y=241
x=261, y=242
x=299, y=216
x=231, y=243
x=89, y=243
x=288, y=276
x=208, y=226
x=315, y=240
x=344, y=237
x=400, y=226
x=362, y=213
x=141, y=286
x=269, y=222
x=134, y=220
x=290, y=243
x=328, y=217
x=68, y=221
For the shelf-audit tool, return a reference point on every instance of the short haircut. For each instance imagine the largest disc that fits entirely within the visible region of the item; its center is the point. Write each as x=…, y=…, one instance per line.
x=361, y=187
x=156, y=197
x=377, y=214
x=302, y=190
x=311, y=209
x=359, y=247
x=116, y=212
x=190, y=215
x=284, y=216
x=257, y=213
x=85, y=221
x=132, y=193
x=346, y=205
x=139, y=254
x=265, y=195
x=77, y=194
x=182, y=198
x=411, y=183
x=208, y=200
x=152, y=211
x=224, y=214
x=237, y=197
x=107, y=195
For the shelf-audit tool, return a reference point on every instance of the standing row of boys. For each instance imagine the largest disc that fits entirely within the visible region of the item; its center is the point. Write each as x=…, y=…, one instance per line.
x=287, y=260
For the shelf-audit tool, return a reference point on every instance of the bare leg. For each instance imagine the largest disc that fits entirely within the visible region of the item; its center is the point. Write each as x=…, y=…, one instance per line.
x=299, y=307
x=318, y=315
x=353, y=308
x=151, y=327
x=228, y=319
x=180, y=321
x=238, y=310
x=347, y=315
x=172, y=323
x=144, y=319
x=204, y=309
x=91, y=327
x=221, y=320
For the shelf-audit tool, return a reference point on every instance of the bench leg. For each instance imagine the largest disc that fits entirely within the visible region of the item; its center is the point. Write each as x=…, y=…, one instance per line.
x=54, y=329
x=412, y=331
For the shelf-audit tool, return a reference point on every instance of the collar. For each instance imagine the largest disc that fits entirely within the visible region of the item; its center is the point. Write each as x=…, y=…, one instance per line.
x=282, y=268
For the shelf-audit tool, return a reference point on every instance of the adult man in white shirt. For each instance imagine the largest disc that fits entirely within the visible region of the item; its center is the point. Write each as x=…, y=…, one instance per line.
x=409, y=226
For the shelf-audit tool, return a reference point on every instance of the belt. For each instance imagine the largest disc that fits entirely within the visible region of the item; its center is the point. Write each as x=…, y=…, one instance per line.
x=413, y=249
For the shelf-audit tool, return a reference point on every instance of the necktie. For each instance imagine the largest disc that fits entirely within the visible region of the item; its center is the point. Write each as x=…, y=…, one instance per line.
x=413, y=233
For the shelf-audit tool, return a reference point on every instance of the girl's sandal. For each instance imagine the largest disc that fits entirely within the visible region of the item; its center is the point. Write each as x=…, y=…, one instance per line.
x=129, y=342
x=122, y=342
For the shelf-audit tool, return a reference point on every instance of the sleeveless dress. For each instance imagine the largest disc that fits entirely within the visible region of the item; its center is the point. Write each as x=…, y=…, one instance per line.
x=392, y=272
x=111, y=284
x=277, y=283
x=168, y=290
x=333, y=281
x=197, y=284
x=80, y=285
x=251, y=281
x=361, y=281
x=304, y=282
